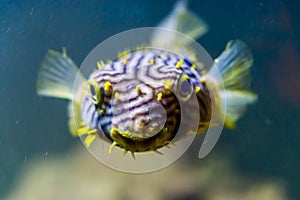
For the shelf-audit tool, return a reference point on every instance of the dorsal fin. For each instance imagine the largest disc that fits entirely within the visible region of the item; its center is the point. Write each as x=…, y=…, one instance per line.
x=182, y=20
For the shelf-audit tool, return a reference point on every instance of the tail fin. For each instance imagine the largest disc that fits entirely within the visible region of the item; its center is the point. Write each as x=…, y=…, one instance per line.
x=182, y=20
x=57, y=75
x=56, y=78
x=234, y=64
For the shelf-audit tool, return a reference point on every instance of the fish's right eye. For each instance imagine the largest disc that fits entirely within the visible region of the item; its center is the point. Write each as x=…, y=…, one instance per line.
x=184, y=87
x=92, y=90
x=95, y=92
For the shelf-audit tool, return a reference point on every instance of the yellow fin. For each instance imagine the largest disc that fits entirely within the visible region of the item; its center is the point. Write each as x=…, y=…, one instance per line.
x=74, y=118
x=90, y=139
x=56, y=79
x=57, y=75
x=236, y=105
x=234, y=64
x=182, y=20
x=235, y=95
x=111, y=147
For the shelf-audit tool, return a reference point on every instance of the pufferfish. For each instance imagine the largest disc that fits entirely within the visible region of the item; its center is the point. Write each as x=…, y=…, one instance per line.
x=133, y=102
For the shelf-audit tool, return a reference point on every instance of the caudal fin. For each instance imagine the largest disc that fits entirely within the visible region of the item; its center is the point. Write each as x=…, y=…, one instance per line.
x=234, y=66
x=57, y=75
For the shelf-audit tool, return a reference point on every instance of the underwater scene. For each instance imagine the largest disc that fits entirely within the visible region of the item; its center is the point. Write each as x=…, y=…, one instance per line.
x=150, y=100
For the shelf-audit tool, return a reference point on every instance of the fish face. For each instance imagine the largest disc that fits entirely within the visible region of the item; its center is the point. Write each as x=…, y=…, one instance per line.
x=138, y=98
x=137, y=113
x=143, y=109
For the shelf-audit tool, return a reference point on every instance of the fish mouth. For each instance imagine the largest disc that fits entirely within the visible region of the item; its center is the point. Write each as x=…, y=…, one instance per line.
x=133, y=143
x=128, y=134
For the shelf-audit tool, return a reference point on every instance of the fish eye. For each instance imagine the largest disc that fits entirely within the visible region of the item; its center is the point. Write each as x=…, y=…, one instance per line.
x=95, y=92
x=92, y=90
x=184, y=88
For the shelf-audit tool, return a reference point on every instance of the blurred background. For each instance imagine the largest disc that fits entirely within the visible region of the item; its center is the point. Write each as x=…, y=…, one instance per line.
x=39, y=159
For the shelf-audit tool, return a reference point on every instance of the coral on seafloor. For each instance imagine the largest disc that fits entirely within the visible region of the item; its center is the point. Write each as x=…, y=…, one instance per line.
x=77, y=176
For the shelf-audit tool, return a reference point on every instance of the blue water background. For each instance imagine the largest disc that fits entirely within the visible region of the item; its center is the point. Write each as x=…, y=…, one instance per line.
x=266, y=142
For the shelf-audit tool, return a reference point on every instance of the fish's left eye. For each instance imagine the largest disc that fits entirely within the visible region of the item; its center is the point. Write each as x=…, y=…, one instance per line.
x=95, y=92
x=92, y=90
x=184, y=88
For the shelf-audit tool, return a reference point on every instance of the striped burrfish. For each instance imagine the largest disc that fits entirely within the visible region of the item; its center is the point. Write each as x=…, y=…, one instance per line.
x=133, y=102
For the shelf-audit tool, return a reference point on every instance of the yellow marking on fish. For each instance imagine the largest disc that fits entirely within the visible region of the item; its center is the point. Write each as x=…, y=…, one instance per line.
x=111, y=147
x=159, y=96
x=90, y=139
x=102, y=112
x=185, y=77
x=108, y=88
x=124, y=54
x=100, y=64
x=168, y=84
x=83, y=130
x=125, y=61
x=86, y=131
x=138, y=90
x=152, y=61
x=179, y=64
x=117, y=95
x=197, y=89
x=193, y=67
x=202, y=80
